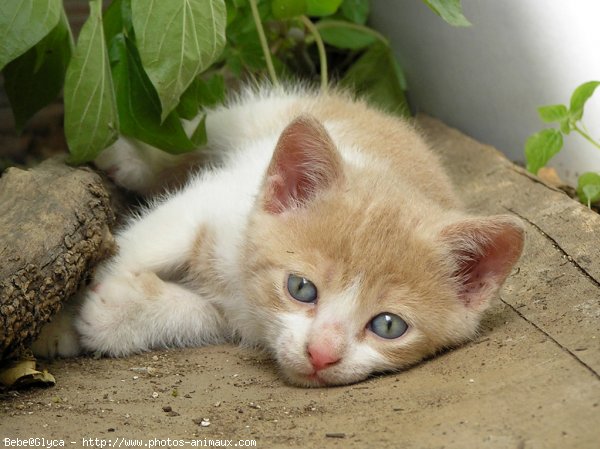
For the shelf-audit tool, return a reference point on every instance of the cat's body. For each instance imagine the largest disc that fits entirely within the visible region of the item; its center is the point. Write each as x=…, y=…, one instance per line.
x=322, y=230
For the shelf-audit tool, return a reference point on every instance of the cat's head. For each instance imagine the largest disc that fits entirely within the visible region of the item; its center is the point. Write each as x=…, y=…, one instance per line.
x=350, y=274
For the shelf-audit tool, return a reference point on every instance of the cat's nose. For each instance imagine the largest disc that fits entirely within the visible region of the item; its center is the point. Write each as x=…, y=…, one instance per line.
x=322, y=357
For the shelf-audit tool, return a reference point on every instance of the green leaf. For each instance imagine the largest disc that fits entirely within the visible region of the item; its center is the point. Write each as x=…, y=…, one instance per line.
x=450, y=11
x=117, y=19
x=201, y=93
x=553, y=113
x=356, y=11
x=344, y=35
x=139, y=105
x=35, y=78
x=588, y=188
x=23, y=23
x=321, y=8
x=541, y=147
x=91, y=122
x=580, y=97
x=377, y=75
x=565, y=126
x=177, y=40
x=287, y=9
x=199, y=137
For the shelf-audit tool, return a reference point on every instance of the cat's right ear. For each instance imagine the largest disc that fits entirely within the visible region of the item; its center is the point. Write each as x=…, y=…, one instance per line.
x=484, y=251
x=304, y=163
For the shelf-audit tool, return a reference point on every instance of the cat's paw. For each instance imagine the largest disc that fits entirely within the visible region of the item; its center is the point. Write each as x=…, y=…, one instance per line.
x=124, y=163
x=58, y=338
x=110, y=315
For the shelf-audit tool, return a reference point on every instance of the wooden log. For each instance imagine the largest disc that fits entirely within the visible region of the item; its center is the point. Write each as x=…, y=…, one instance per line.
x=55, y=225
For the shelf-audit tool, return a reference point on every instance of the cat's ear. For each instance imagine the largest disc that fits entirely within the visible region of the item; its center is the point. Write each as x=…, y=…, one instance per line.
x=304, y=163
x=483, y=251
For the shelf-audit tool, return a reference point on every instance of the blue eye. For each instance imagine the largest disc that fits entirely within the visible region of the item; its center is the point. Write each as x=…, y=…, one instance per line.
x=301, y=289
x=388, y=325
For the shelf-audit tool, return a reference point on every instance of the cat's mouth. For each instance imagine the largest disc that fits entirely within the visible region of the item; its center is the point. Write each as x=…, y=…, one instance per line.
x=314, y=378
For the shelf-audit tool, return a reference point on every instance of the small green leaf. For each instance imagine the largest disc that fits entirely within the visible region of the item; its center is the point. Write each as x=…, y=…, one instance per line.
x=139, y=106
x=199, y=137
x=91, y=121
x=541, y=147
x=35, y=78
x=553, y=113
x=450, y=11
x=201, y=94
x=356, y=11
x=23, y=23
x=211, y=92
x=580, y=97
x=343, y=35
x=321, y=8
x=565, y=126
x=286, y=9
x=377, y=75
x=588, y=188
x=177, y=40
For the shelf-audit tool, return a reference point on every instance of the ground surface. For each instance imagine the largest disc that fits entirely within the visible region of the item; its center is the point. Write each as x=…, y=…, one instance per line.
x=530, y=380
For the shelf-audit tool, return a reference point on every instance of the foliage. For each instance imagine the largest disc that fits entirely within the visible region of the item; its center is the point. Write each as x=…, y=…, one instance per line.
x=542, y=146
x=140, y=66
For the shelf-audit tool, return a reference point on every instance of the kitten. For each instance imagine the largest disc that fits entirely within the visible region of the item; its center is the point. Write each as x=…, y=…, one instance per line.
x=321, y=230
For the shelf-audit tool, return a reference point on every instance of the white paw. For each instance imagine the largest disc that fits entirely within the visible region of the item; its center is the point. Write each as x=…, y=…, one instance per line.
x=112, y=310
x=125, y=165
x=58, y=338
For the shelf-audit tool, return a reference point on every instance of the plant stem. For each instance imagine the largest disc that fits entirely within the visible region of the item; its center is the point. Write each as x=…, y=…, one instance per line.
x=263, y=43
x=353, y=26
x=322, y=55
x=586, y=136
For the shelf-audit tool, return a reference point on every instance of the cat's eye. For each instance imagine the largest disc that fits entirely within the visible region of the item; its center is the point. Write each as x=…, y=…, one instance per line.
x=388, y=325
x=301, y=289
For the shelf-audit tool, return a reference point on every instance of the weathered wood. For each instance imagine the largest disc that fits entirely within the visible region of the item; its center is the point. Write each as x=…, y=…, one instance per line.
x=54, y=226
x=557, y=285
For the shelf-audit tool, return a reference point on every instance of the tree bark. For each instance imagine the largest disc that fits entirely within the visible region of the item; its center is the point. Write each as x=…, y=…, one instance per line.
x=55, y=224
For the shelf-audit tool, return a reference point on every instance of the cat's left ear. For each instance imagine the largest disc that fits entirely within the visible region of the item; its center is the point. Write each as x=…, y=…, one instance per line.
x=305, y=162
x=483, y=251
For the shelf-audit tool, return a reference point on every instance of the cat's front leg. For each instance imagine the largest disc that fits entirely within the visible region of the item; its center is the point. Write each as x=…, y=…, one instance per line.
x=129, y=312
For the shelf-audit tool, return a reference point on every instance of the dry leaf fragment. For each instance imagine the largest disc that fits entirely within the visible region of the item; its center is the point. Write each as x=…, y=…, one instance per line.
x=23, y=373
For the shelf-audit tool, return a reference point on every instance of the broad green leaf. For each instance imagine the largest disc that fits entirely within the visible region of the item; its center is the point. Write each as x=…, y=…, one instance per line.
x=580, y=97
x=138, y=103
x=23, y=23
x=378, y=76
x=450, y=11
x=553, y=113
x=344, y=35
x=541, y=147
x=356, y=11
x=91, y=121
x=35, y=78
x=177, y=40
x=588, y=188
x=286, y=9
x=321, y=8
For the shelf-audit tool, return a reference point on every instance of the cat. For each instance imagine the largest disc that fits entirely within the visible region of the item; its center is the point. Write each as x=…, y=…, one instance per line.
x=315, y=227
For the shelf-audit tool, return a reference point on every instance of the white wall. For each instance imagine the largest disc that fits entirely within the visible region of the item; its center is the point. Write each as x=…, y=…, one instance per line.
x=488, y=79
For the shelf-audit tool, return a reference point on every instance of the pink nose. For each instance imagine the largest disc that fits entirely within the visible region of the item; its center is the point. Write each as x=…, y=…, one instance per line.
x=322, y=356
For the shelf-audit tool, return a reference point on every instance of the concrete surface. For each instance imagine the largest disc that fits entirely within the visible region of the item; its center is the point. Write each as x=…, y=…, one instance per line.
x=530, y=380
